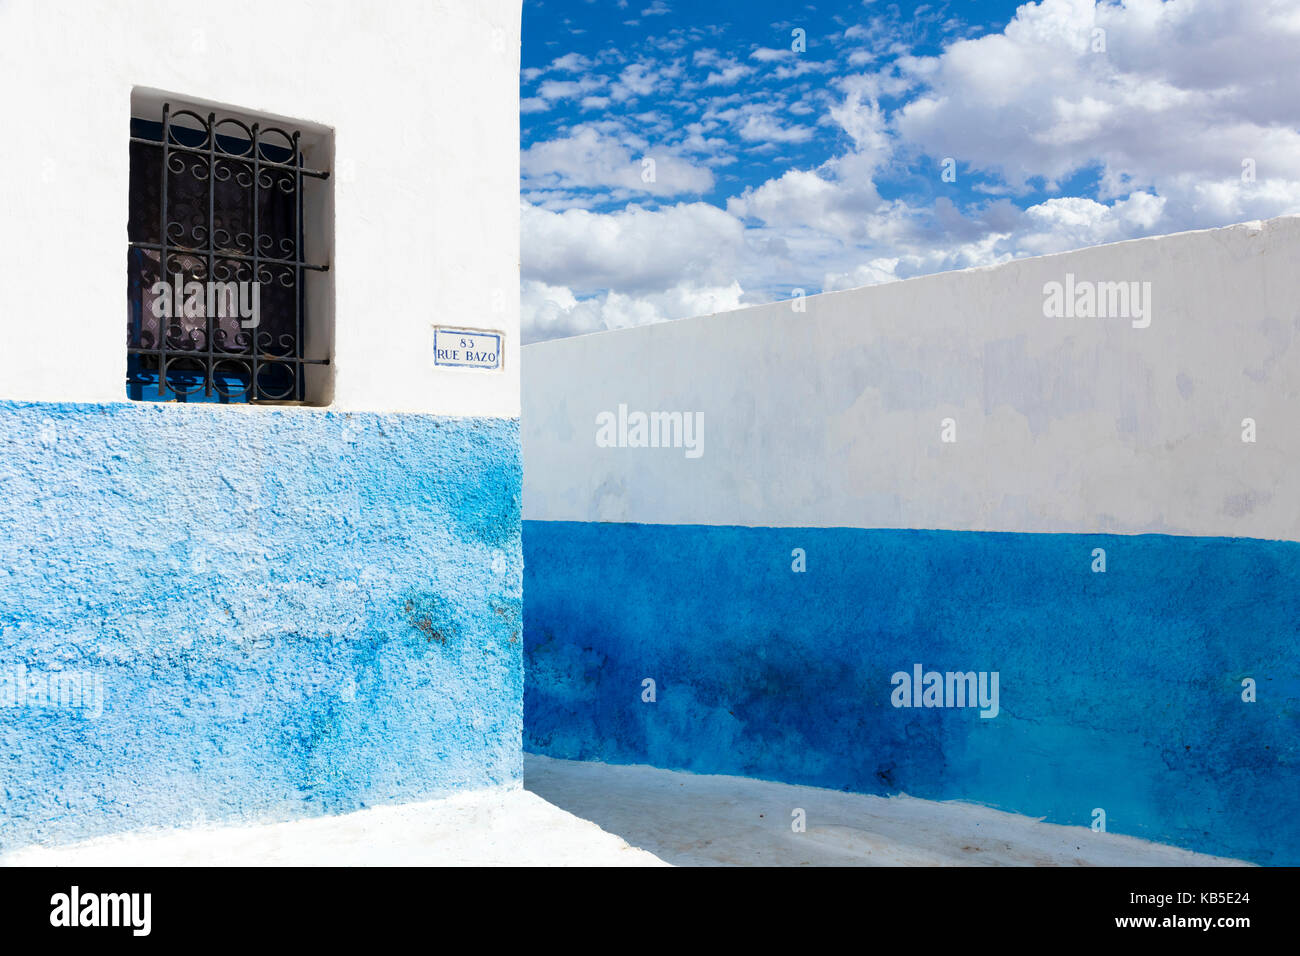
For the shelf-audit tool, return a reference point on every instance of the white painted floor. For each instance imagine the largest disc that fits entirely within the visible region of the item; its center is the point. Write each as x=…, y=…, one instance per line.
x=593, y=814
x=483, y=828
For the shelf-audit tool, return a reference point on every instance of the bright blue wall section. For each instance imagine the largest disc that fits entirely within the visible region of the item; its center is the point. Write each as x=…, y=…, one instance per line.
x=1119, y=690
x=293, y=612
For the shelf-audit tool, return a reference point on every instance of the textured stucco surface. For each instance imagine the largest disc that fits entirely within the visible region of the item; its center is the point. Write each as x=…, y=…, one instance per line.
x=1118, y=690
x=293, y=612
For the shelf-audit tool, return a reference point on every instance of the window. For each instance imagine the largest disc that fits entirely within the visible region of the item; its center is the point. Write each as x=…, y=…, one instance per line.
x=218, y=275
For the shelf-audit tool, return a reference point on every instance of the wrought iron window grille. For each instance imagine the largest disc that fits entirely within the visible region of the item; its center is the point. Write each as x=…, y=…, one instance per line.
x=216, y=214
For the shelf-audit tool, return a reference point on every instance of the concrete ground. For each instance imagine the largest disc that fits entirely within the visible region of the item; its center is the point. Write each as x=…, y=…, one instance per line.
x=594, y=814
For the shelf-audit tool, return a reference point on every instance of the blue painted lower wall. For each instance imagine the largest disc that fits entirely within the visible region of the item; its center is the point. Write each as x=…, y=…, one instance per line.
x=1119, y=690
x=231, y=613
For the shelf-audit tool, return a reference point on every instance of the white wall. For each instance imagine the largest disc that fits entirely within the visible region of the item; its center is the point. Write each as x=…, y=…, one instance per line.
x=832, y=417
x=423, y=100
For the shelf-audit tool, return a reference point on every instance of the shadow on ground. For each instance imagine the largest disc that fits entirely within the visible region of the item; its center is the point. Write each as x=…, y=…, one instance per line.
x=696, y=820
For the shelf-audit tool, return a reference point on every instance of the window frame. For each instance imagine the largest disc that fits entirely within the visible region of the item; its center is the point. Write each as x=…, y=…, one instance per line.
x=166, y=364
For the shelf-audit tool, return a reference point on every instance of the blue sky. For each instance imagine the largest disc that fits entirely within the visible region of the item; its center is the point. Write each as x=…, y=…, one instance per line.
x=680, y=158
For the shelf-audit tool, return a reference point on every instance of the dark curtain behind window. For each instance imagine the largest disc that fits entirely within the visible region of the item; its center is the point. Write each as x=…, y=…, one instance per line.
x=224, y=234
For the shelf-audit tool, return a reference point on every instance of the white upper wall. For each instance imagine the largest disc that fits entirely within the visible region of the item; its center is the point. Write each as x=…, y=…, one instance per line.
x=832, y=417
x=423, y=99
